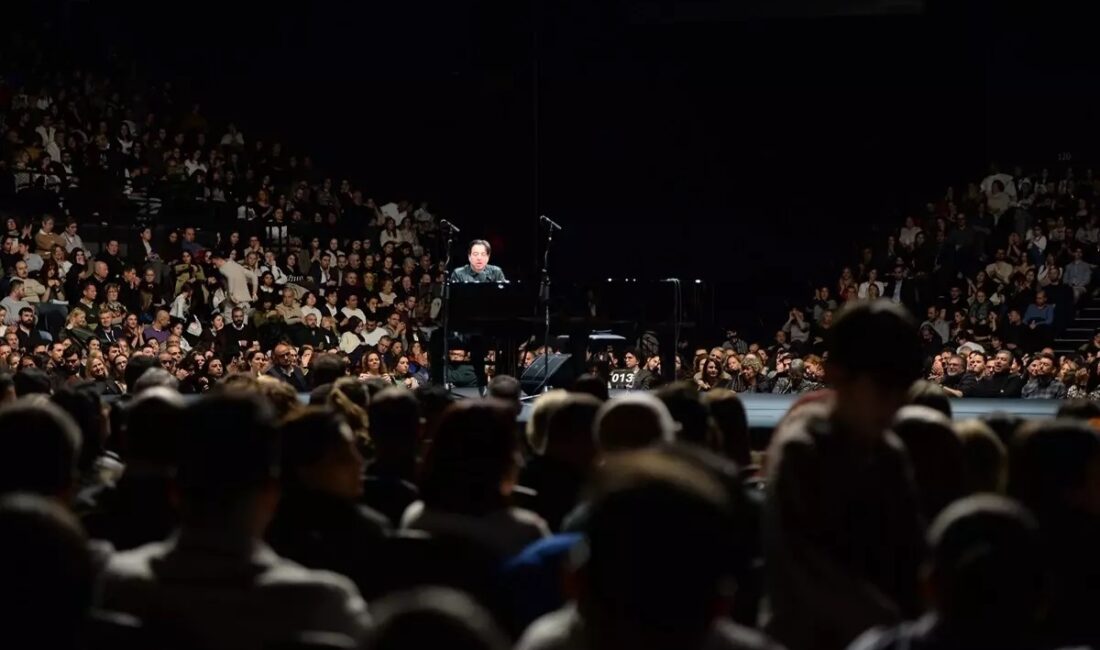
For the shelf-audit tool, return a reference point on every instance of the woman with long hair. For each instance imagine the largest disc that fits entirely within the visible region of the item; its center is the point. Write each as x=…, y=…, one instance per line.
x=132, y=331
x=187, y=272
x=402, y=374
x=351, y=335
x=374, y=367
x=712, y=376
x=292, y=270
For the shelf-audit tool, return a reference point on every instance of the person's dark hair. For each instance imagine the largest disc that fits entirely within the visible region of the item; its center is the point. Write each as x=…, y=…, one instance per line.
x=434, y=401
x=479, y=242
x=395, y=422
x=473, y=451
x=153, y=378
x=732, y=422
x=686, y=556
x=326, y=368
x=1048, y=461
x=505, y=387
x=1004, y=425
x=7, y=383
x=925, y=393
x=987, y=568
x=41, y=445
x=689, y=412
x=876, y=338
x=136, y=367
x=985, y=456
x=433, y=617
x=319, y=395
x=352, y=324
x=48, y=574
x=153, y=422
x=939, y=467
x=592, y=385
x=569, y=429
x=84, y=404
x=1079, y=409
x=32, y=381
x=307, y=435
x=229, y=452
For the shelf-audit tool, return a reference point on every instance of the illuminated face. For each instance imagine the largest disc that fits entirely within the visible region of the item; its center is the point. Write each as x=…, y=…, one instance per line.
x=479, y=257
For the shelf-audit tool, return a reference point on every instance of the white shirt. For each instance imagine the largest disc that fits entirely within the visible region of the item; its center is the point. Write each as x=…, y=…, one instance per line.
x=864, y=286
x=372, y=338
x=306, y=311
x=357, y=313
x=72, y=241
x=908, y=236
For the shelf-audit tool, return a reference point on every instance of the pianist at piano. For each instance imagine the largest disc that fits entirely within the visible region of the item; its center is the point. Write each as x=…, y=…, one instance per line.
x=478, y=269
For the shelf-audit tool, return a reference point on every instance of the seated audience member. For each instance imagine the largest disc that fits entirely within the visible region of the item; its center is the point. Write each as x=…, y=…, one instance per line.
x=842, y=515
x=730, y=418
x=936, y=453
x=693, y=422
x=140, y=508
x=1043, y=384
x=319, y=523
x=326, y=369
x=985, y=582
x=42, y=449
x=32, y=381
x=591, y=384
x=7, y=388
x=676, y=602
x=932, y=395
x=633, y=421
x=469, y=473
x=284, y=369
x=985, y=456
x=216, y=584
x=97, y=469
x=535, y=431
x=1079, y=409
x=389, y=484
x=558, y=474
x=48, y=574
x=1054, y=471
x=434, y=617
x=1003, y=382
x=506, y=389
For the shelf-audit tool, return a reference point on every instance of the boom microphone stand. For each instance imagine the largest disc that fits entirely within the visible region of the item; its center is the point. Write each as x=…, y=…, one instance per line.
x=452, y=230
x=544, y=296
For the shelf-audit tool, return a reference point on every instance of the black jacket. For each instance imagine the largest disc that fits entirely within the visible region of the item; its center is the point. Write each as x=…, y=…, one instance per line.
x=324, y=532
x=1003, y=384
x=296, y=378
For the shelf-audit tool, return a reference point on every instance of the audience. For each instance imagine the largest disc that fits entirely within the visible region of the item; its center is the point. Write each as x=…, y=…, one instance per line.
x=162, y=473
x=669, y=604
x=215, y=584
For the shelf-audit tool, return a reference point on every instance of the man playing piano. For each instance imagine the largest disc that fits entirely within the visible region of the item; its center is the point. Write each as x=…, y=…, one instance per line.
x=479, y=269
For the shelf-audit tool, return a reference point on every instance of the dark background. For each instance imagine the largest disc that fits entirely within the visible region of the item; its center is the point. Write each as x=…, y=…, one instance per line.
x=751, y=144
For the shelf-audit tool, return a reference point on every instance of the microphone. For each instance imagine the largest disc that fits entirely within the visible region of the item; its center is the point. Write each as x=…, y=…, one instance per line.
x=449, y=225
x=546, y=219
